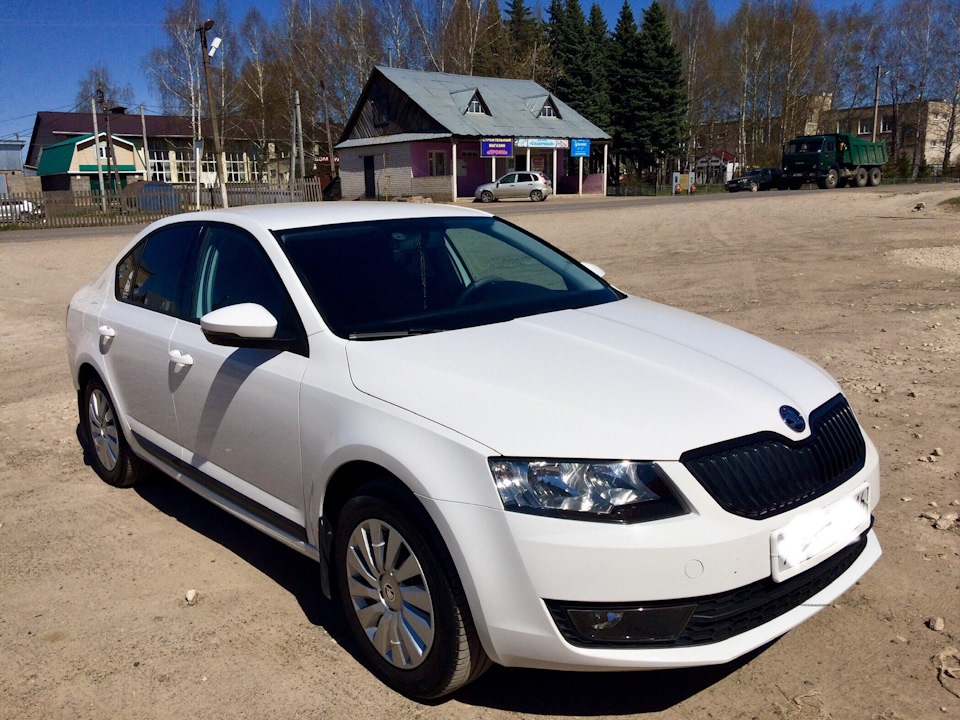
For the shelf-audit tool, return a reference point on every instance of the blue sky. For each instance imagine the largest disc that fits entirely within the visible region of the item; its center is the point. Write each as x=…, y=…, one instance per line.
x=47, y=46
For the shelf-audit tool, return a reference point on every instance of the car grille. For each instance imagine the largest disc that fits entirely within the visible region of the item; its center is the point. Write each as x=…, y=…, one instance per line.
x=724, y=615
x=767, y=474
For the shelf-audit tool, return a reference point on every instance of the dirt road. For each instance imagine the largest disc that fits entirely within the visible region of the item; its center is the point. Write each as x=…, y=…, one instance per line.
x=93, y=621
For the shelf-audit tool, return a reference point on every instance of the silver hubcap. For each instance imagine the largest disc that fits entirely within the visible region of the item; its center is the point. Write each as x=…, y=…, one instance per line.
x=389, y=594
x=103, y=429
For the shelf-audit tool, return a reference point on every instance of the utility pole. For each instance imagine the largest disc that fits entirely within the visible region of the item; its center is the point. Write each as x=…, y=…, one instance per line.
x=221, y=171
x=326, y=117
x=146, y=150
x=876, y=105
x=303, y=166
x=293, y=151
x=96, y=150
x=111, y=153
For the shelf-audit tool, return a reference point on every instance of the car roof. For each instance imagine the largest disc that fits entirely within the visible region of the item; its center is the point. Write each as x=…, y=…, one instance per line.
x=283, y=216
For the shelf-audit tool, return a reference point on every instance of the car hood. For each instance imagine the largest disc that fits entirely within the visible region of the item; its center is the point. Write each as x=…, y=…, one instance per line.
x=630, y=379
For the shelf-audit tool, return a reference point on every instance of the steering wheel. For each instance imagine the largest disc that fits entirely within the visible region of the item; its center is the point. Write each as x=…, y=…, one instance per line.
x=473, y=288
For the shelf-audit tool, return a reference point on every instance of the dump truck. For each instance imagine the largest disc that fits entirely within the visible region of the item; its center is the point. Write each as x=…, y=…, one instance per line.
x=833, y=161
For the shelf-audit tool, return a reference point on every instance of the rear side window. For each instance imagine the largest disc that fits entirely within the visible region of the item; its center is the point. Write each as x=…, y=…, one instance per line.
x=157, y=272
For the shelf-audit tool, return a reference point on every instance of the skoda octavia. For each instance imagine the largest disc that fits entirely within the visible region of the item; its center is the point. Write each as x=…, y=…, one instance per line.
x=493, y=454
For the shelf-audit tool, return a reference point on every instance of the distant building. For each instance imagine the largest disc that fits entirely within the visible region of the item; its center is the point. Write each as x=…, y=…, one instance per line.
x=13, y=179
x=823, y=118
x=169, y=143
x=441, y=135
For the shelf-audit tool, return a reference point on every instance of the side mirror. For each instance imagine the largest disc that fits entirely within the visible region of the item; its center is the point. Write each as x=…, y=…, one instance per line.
x=245, y=325
x=594, y=269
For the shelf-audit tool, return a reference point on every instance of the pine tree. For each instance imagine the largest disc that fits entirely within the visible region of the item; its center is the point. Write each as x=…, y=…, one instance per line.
x=555, y=41
x=575, y=79
x=596, y=52
x=521, y=31
x=623, y=78
x=492, y=58
x=662, y=100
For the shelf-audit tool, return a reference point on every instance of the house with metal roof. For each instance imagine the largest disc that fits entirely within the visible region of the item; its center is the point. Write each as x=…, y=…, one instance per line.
x=169, y=140
x=441, y=135
x=72, y=164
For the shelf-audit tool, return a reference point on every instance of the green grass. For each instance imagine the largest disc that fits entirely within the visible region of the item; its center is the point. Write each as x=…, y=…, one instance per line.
x=952, y=203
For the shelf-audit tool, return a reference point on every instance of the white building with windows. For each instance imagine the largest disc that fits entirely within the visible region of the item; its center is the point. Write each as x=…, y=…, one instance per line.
x=440, y=135
x=65, y=137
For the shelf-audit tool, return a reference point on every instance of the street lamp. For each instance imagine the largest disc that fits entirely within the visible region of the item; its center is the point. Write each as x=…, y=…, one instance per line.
x=221, y=171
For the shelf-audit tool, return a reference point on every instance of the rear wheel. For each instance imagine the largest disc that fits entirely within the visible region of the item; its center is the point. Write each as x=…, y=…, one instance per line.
x=401, y=595
x=874, y=176
x=486, y=196
x=860, y=177
x=536, y=195
x=110, y=456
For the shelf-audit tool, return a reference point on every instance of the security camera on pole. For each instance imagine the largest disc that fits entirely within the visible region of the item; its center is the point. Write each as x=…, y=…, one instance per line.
x=221, y=171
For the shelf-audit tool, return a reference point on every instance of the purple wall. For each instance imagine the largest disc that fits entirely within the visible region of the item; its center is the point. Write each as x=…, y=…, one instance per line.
x=478, y=169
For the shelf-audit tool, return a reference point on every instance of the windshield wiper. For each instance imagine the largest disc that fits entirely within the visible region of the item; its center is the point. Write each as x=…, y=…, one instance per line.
x=388, y=334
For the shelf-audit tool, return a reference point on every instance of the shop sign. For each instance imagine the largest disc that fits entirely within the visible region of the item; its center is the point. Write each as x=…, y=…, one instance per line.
x=580, y=147
x=543, y=143
x=496, y=147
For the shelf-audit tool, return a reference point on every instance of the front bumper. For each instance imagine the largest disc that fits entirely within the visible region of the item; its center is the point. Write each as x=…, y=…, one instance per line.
x=512, y=564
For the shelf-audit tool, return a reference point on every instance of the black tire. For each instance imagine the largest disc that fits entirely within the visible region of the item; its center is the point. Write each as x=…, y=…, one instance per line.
x=486, y=196
x=107, y=448
x=452, y=654
x=874, y=177
x=536, y=195
x=831, y=180
x=860, y=177
x=754, y=187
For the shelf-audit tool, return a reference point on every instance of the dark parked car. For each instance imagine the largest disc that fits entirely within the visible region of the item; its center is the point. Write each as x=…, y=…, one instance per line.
x=762, y=179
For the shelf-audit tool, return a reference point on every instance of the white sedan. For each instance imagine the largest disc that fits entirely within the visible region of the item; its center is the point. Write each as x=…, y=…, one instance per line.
x=493, y=454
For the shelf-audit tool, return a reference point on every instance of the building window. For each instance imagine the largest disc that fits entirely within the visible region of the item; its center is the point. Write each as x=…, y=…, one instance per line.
x=548, y=110
x=886, y=124
x=185, y=166
x=236, y=172
x=160, y=166
x=437, y=162
x=866, y=126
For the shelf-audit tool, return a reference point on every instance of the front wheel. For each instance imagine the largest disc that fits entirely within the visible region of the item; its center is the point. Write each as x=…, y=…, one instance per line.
x=486, y=196
x=111, y=457
x=401, y=595
x=754, y=187
x=831, y=180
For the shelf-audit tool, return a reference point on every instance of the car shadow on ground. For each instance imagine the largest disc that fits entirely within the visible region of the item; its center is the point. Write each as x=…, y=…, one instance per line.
x=518, y=690
x=591, y=694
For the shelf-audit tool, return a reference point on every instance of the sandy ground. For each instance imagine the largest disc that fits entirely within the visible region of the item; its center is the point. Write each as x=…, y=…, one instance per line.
x=93, y=621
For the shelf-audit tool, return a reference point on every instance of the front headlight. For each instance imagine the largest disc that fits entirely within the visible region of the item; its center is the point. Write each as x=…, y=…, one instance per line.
x=620, y=492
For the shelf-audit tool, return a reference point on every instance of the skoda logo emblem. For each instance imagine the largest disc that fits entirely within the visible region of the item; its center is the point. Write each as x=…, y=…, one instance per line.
x=792, y=418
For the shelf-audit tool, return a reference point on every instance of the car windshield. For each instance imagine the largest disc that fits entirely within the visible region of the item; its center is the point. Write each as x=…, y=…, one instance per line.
x=804, y=146
x=389, y=278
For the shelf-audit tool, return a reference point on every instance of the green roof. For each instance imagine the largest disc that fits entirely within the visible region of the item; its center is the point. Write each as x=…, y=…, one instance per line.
x=55, y=159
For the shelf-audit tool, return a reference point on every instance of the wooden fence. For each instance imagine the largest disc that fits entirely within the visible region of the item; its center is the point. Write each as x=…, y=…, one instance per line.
x=138, y=205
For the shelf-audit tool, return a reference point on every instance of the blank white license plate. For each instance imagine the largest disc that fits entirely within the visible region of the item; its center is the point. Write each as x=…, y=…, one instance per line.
x=816, y=535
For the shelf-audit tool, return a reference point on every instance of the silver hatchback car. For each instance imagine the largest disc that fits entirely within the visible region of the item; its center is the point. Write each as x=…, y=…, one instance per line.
x=533, y=185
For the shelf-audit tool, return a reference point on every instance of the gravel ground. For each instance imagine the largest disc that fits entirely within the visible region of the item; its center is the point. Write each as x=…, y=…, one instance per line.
x=93, y=617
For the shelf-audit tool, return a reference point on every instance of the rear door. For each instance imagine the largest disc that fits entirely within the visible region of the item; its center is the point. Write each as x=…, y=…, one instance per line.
x=136, y=324
x=239, y=408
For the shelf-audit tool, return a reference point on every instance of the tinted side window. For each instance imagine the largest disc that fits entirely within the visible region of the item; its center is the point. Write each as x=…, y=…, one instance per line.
x=126, y=272
x=509, y=179
x=164, y=270
x=234, y=269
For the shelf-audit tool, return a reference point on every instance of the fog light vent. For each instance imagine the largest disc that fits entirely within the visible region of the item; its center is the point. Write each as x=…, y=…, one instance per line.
x=632, y=624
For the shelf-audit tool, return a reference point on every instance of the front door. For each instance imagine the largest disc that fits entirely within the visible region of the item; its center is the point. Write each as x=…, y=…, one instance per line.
x=369, y=180
x=241, y=450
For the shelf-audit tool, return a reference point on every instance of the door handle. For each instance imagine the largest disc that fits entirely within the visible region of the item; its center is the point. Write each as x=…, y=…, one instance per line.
x=106, y=331
x=180, y=358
